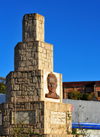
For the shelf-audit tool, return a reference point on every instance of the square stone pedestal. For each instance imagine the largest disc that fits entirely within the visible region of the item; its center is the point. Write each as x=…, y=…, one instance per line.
x=40, y=116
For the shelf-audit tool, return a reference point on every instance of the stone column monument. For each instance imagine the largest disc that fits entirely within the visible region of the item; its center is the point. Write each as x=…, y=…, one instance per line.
x=33, y=90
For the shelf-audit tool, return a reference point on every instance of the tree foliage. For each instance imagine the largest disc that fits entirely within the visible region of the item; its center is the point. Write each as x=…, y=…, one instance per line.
x=2, y=85
x=73, y=94
x=76, y=95
x=2, y=80
x=2, y=88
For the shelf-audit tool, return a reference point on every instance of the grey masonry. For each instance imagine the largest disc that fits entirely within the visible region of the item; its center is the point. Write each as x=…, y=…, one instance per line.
x=26, y=87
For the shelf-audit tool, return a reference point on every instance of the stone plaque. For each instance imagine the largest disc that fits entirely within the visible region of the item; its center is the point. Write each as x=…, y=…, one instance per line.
x=1, y=119
x=58, y=89
x=26, y=116
x=58, y=117
x=52, y=85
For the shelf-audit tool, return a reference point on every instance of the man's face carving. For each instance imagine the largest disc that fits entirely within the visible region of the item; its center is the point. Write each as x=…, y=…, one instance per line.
x=52, y=85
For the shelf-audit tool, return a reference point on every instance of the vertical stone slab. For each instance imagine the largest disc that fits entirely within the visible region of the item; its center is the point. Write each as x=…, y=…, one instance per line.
x=33, y=27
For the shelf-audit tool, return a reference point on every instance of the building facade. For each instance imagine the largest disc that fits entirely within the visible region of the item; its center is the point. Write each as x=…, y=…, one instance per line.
x=82, y=87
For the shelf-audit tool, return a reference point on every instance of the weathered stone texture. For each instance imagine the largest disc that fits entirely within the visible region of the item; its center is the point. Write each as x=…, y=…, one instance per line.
x=33, y=27
x=24, y=86
x=46, y=135
x=8, y=120
x=33, y=55
x=26, y=116
x=50, y=127
x=30, y=86
x=42, y=123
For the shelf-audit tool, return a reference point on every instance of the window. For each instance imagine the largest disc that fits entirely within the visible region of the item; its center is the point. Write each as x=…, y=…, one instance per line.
x=98, y=93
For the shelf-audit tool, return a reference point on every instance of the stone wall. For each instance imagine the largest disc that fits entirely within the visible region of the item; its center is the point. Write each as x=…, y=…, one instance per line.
x=7, y=116
x=33, y=27
x=43, y=119
x=33, y=55
x=24, y=86
x=27, y=117
x=31, y=94
x=47, y=135
x=30, y=86
x=57, y=118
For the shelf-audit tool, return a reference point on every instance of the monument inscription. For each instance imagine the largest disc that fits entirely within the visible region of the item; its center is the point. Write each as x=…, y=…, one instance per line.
x=58, y=117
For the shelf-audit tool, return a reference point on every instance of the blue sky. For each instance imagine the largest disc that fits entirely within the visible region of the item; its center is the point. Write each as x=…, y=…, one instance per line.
x=72, y=26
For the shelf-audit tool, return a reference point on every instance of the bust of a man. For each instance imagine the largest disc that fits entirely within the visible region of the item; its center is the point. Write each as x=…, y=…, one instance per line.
x=52, y=85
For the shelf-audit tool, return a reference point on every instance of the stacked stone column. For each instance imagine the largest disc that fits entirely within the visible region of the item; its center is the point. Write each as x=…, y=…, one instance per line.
x=26, y=86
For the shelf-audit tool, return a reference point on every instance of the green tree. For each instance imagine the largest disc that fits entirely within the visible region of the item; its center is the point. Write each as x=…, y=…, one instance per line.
x=2, y=85
x=73, y=94
x=2, y=80
x=85, y=96
x=90, y=96
x=76, y=95
x=2, y=88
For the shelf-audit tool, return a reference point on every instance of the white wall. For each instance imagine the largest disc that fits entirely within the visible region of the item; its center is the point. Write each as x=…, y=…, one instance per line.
x=91, y=110
x=2, y=98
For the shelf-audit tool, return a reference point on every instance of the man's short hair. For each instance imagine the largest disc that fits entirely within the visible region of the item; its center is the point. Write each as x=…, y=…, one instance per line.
x=51, y=75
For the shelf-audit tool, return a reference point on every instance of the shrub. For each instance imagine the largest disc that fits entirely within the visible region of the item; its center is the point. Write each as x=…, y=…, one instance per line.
x=76, y=95
x=73, y=94
x=2, y=88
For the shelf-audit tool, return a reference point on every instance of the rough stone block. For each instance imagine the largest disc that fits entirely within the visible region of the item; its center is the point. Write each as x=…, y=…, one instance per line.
x=30, y=57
